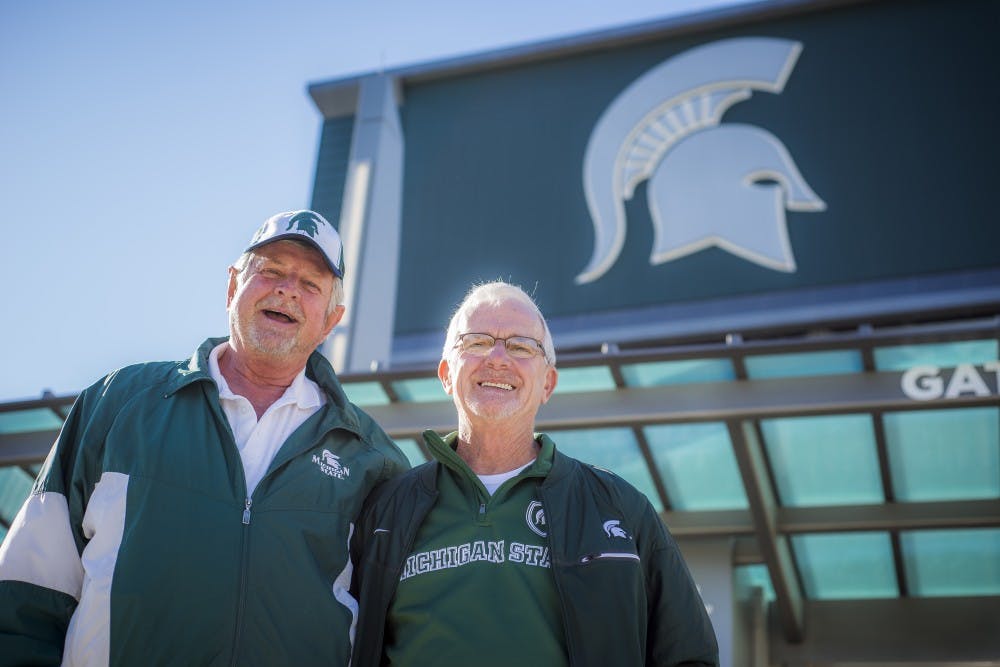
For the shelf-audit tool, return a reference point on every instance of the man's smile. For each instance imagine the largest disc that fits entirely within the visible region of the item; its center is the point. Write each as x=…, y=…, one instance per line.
x=278, y=316
x=498, y=385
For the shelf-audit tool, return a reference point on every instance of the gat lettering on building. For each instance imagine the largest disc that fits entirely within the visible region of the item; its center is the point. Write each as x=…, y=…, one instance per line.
x=928, y=383
x=709, y=184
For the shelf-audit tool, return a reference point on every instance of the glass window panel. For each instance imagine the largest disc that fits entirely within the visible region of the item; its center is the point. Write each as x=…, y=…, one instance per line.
x=614, y=449
x=587, y=378
x=846, y=566
x=944, y=454
x=952, y=562
x=36, y=419
x=15, y=485
x=365, y=393
x=750, y=576
x=684, y=371
x=802, y=364
x=945, y=355
x=420, y=390
x=412, y=450
x=698, y=467
x=829, y=460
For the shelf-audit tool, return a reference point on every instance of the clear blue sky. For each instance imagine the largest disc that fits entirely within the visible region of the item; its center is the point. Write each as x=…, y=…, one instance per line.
x=141, y=143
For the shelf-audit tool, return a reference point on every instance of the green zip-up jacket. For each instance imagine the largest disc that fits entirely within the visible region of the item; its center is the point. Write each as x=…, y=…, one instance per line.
x=140, y=546
x=626, y=594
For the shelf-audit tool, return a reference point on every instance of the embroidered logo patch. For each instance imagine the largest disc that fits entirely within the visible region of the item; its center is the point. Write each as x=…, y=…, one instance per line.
x=306, y=222
x=535, y=517
x=329, y=464
x=613, y=529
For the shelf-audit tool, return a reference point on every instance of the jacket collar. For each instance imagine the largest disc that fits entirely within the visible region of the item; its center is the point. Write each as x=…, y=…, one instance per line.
x=318, y=369
x=443, y=449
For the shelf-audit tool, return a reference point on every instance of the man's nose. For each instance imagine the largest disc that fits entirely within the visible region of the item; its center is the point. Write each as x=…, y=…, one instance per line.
x=498, y=353
x=287, y=286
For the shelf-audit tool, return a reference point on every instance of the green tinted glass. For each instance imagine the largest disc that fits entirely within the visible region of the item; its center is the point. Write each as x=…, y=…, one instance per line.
x=365, y=393
x=946, y=355
x=420, y=390
x=952, y=562
x=684, y=371
x=697, y=465
x=35, y=419
x=829, y=460
x=412, y=450
x=846, y=566
x=586, y=378
x=803, y=364
x=944, y=454
x=614, y=449
x=751, y=576
x=15, y=485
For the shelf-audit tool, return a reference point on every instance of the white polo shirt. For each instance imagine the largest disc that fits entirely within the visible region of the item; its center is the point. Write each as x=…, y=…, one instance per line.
x=259, y=440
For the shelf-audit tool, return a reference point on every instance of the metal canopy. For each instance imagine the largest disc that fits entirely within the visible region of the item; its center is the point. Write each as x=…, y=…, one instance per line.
x=769, y=524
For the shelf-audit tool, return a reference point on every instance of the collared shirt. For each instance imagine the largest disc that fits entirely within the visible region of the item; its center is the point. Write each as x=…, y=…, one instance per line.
x=259, y=440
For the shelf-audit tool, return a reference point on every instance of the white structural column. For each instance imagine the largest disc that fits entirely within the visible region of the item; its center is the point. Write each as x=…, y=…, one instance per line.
x=711, y=565
x=370, y=221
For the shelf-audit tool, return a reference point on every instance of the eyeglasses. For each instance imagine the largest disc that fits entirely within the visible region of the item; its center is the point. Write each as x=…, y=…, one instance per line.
x=481, y=344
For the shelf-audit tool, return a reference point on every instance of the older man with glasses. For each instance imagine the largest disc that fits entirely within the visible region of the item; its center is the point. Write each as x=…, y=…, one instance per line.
x=503, y=550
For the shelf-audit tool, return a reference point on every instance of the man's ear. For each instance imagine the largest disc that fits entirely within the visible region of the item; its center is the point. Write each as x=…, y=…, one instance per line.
x=444, y=374
x=332, y=319
x=231, y=290
x=551, y=379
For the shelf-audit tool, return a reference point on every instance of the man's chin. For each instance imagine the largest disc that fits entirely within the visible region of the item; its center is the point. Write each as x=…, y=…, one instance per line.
x=271, y=346
x=492, y=411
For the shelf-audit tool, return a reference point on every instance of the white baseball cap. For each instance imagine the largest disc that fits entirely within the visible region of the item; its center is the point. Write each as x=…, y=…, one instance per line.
x=307, y=226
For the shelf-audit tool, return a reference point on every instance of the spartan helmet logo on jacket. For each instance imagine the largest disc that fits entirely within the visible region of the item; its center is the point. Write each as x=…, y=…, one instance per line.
x=709, y=184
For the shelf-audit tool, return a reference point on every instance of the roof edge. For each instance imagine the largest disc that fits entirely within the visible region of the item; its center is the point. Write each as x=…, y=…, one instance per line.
x=338, y=97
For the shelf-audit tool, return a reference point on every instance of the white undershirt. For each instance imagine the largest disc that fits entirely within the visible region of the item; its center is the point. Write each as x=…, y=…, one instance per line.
x=259, y=440
x=493, y=482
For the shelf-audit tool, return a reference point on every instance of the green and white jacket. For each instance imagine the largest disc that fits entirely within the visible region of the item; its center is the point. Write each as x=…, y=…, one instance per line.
x=139, y=544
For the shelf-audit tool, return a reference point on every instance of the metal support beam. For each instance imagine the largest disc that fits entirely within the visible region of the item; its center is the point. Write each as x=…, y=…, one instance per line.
x=774, y=547
x=747, y=399
x=370, y=222
x=25, y=448
x=635, y=406
x=940, y=631
x=954, y=514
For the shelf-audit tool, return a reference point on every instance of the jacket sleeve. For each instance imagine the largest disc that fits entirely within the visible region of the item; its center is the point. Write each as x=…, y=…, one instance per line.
x=41, y=574
x=679, y=631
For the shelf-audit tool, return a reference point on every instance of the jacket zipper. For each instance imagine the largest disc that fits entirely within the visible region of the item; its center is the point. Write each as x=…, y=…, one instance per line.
x=571, y=641
x=243, y=582
x=609, y=555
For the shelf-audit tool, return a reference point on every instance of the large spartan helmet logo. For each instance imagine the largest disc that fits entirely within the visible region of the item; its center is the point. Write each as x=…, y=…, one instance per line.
x=709, y=184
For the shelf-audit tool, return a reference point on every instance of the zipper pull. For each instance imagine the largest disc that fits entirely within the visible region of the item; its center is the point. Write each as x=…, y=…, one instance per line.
x=482, y=510
x=246, y=512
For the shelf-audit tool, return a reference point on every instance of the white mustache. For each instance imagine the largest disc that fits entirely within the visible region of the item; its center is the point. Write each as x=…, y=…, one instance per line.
x=289, y=308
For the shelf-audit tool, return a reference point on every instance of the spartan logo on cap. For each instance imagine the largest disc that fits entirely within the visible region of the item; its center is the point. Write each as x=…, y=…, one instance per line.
x=709, y=184
x=306, y=222
x=535, y=516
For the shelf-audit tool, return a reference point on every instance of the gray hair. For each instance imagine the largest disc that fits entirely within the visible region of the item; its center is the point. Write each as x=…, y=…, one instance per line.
x=336, y=295
x=495, y=293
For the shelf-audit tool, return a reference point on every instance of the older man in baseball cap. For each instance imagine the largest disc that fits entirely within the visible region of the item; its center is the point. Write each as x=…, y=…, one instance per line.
x=199, y=512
